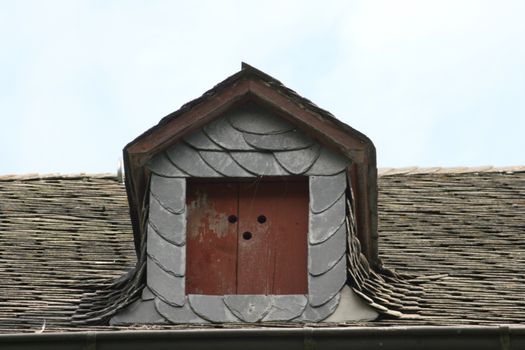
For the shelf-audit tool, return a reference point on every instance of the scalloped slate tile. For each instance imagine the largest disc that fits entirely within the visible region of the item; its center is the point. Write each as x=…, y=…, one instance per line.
x=147, y=294
x=176, y=314
x=297, y=162
x=324, y=287
x=222, y=133
x=323, y=256
x=325, y=191
x=139, y=312
x=162, y=166
x=259, y=163
x=256, y=120
x=323, y=225
x=287, y=141
x=248, y=308
x=316, y=314
x=171, y=227
x=286, y=307
x=170, y=256
x=189, y=160
x=170, y=192
x=165, y=285
x=328, y=163
x=224, y=164
x=211, y=308
x=201, y=141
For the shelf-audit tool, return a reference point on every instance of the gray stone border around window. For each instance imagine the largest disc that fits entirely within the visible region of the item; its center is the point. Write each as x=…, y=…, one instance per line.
x=326, y=263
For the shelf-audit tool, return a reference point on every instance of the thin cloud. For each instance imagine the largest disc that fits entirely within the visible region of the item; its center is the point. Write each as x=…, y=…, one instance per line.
x=430, y=82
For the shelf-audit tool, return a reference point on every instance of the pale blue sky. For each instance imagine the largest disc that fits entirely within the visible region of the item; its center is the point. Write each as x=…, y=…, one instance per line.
x=432, y=83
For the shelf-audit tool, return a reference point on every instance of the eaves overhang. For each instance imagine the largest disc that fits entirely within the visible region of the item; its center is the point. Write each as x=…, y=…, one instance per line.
x=370, y=338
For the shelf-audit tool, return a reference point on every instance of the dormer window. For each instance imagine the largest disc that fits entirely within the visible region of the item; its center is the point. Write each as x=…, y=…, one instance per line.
x=240, y=203
x=266, y=224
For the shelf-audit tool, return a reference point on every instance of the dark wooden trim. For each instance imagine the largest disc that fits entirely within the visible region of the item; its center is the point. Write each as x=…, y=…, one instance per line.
x=195, y=118
x=290, y=178
x=314, y=124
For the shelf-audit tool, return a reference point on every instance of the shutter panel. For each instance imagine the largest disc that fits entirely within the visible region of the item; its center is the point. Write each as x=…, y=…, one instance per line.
x=264, y=252
x=211, y=251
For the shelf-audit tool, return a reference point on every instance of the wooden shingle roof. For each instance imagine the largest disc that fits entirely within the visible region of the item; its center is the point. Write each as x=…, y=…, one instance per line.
x=467, y=229
x=455, y=238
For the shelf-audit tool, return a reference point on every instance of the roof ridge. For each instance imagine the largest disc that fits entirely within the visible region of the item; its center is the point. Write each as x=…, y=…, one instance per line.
x=449, y=170
x=57, y=176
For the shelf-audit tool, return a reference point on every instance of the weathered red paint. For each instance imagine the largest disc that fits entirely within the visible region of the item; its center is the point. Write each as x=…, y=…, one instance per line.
x=291, y=237
x=274, y=260
x=271, y=237
x=211, y=240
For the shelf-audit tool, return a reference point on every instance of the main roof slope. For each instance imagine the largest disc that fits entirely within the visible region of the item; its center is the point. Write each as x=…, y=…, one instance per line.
x=459, y=234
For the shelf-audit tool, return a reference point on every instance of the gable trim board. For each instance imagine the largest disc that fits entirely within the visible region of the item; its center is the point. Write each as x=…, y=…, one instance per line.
x=242, y=151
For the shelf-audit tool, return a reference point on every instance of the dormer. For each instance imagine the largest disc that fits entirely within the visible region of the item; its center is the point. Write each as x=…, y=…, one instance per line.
x=242, y=204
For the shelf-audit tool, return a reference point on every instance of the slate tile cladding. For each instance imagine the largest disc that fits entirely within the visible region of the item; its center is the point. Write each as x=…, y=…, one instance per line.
x=245, y=143
x=461, y=233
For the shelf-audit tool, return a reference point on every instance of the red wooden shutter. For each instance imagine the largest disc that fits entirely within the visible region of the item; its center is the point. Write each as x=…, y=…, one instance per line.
x=270, y=245
x=211, y=242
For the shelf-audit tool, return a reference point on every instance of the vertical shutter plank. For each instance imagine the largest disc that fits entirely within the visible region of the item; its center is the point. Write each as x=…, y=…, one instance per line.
x=254, y=264
x=211, y=238
x=274, y=259
x=290, y=238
